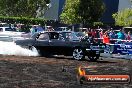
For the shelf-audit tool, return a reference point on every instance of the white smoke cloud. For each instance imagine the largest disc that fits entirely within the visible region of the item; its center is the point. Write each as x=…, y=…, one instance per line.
x=10, y=48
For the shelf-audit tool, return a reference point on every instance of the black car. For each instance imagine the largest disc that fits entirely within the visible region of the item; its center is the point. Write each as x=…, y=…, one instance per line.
x=80, y=35
x=62, y=43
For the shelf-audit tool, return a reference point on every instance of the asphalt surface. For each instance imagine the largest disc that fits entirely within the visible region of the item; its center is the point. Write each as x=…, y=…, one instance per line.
x=56, y=72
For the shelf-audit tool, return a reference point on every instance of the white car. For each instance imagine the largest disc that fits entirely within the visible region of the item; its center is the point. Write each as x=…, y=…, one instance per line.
x=7, y=31
x=10, y=33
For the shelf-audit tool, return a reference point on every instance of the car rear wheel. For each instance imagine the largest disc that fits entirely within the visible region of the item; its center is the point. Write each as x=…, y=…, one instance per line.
x=34, y=49
x=78, y=54
x=93, y=58
x=40, y=52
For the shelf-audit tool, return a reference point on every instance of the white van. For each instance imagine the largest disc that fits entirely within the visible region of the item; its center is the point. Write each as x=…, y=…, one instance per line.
x=127, y=29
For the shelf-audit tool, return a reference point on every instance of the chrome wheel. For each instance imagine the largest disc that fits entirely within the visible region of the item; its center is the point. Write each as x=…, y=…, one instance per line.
x=78, y=54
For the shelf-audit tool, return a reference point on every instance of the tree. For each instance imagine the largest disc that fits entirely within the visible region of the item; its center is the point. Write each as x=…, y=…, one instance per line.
x=26, y=8
x=82, y=11
x=123, y=18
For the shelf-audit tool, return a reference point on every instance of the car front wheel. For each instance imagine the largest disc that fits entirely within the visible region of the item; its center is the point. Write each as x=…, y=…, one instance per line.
x=78, y=54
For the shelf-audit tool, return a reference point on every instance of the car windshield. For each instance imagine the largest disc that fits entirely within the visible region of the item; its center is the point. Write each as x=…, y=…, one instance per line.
x=80, y=34
x=69, y=35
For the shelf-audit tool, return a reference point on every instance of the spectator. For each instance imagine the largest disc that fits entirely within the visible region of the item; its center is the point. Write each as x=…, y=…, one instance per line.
x=101, y=34
x=120, y=35
x=33, y=30
x=112, y=34
x=106, y=38
x=97, y=34
x=39, y=28
x=128, y=37
x=93, y=33
x=108, y=31
x=89, y=32
x=50, y=29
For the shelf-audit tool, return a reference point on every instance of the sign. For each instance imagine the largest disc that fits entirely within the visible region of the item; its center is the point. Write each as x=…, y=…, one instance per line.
x=123, y=49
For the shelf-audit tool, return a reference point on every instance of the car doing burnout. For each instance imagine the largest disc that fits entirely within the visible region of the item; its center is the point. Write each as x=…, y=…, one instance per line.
x=62, y=43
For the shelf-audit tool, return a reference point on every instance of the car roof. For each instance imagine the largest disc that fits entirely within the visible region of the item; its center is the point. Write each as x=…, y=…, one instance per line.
x=53, y=32
x=57, y=31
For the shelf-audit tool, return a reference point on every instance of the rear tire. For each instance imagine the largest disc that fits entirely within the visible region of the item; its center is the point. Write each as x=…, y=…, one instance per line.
x=40, y=52
x=34, y=49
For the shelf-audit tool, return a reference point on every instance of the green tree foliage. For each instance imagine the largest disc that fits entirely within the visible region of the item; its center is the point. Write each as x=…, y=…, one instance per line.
x=123, y=18
x=82, y=11
x=22, y=20
x=26, y=8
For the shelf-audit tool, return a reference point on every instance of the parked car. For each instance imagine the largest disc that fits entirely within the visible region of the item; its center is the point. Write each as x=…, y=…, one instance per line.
x=10, y=34
x=62, y=43
x=8, y=31
x=4, y=25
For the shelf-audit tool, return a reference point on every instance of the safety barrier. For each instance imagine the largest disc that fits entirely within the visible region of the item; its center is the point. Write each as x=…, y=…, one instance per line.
x=118, y=50
x=115, y=40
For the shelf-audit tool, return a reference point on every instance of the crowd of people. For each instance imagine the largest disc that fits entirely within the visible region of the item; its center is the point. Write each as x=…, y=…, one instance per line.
x=108, y=36
x=38, y=28
x=105, y=36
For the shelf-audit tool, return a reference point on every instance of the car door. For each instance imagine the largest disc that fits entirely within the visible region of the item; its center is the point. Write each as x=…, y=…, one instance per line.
x=58, y=45
x=42, y=42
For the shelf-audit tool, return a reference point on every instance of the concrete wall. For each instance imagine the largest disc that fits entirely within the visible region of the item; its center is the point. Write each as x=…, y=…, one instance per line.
x=61, y=6
x=124, y=4
x=52, y=13
x=111, y=7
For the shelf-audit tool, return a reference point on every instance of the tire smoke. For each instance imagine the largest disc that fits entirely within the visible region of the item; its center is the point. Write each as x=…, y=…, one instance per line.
x=10, y=48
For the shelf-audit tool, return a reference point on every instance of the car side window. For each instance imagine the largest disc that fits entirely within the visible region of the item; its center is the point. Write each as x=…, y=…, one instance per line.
x=61, y=37
x=44, y=36
x=54, y=35
x=1, y=30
